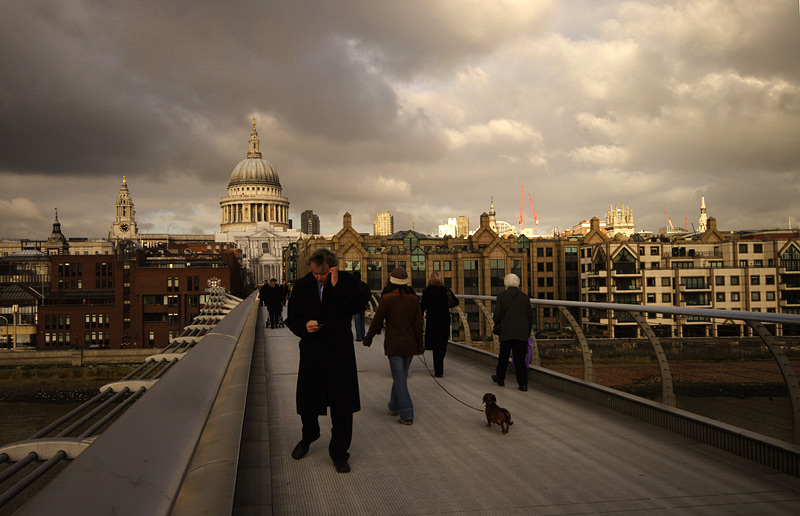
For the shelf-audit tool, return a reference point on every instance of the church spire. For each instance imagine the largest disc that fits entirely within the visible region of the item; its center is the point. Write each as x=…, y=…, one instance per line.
x=254, y=152
x=703, y=223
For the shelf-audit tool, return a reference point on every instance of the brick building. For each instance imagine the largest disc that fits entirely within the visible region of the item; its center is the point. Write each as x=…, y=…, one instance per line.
x=135, y=298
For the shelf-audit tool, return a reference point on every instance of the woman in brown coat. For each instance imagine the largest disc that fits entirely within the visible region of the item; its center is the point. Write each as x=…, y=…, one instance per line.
x=399, y=309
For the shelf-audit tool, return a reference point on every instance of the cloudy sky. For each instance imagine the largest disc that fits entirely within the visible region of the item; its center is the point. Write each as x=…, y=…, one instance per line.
x=424, y=108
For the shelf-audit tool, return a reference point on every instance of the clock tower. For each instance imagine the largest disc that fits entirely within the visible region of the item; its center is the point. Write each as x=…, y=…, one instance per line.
x=124, y=226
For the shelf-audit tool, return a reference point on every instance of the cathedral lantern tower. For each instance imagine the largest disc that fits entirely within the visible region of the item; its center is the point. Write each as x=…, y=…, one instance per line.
x=124, y=226
x=254, y=194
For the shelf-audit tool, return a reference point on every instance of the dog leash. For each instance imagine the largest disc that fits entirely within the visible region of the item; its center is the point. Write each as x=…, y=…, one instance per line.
x=442, y=386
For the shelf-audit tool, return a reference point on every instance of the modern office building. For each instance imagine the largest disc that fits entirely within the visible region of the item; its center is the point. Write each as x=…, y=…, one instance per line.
x=383, y=225
x=309, y=223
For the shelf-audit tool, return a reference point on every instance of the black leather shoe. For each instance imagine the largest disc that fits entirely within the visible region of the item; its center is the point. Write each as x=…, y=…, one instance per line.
x=498, y=381
x=300, y=450
x=523, y=387
x=342, y=467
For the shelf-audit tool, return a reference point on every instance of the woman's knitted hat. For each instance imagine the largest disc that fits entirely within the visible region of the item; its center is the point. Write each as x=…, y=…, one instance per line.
x=399, y=276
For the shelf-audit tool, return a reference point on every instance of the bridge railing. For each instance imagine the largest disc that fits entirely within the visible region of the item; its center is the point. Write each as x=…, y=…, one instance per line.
x=586, y=373
x=173, y=451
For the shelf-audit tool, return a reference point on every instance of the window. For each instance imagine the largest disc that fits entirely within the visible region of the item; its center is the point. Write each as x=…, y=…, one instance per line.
x=742, y=264
x=755, y=296
x=651, y=282
x=769, y=280
x=666, y=298
x=446, y=265
x=693, y=282
x=755, y=280
x=734, y=296
x=719, y=280
x=651, y=298
x=654, y=251
x=758, y=248
x=742, y=248
x=720, y=297
x=770, y=296
x=437, y=265
x=666, y=282
x=734, y=280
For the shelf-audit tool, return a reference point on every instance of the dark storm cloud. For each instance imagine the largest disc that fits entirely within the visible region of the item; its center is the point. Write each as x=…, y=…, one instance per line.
x=426, y=108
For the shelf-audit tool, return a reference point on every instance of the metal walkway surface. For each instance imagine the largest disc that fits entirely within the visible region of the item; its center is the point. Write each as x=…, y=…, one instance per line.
x=561, y=456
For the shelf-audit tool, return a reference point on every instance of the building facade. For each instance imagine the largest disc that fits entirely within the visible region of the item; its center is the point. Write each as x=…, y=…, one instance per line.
x=136, y=298
x=619, y=219
x=309, y=223
x=383, y=225
x=757, y=272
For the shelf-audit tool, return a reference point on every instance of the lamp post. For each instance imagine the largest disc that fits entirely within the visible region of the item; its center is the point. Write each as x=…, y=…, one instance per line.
x=14, y=312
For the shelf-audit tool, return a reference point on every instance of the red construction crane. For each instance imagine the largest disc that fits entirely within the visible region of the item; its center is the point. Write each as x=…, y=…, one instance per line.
x=671, y=227
x=535, y=217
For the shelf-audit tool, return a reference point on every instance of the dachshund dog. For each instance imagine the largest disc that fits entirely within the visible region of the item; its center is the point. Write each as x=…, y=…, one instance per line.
x=495, y=414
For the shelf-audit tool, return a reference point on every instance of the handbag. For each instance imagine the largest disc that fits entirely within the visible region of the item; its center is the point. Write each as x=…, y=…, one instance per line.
x=452, y=300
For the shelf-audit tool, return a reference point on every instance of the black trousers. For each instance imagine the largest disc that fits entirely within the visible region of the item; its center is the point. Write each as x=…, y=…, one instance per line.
x=439, y=351
x=520, y=350
x=341, y=433
x=274, y=319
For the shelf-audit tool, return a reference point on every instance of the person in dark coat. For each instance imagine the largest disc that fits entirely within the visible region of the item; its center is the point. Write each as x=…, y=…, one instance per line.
x=437, y=321
x=285, y=291
x=320, y=313
x=358, y=319
x=274, y=303
x=399, y=312
x=262, y=293
x=514, y=315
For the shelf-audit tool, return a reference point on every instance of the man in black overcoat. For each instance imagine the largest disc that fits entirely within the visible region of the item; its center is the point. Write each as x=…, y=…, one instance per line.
x=320, y=313
x=262, y=293
x=274, y=303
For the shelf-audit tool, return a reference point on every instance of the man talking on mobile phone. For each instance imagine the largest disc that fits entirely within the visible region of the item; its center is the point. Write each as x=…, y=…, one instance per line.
x=320, y=313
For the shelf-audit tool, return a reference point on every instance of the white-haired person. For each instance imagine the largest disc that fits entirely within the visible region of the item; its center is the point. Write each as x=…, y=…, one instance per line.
x=513, y=319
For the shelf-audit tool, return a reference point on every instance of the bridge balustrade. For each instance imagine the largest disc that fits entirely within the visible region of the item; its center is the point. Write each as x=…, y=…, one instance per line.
x=175, y=450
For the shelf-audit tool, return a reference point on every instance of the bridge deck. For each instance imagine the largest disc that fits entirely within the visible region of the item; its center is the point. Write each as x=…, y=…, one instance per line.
x=562, y=455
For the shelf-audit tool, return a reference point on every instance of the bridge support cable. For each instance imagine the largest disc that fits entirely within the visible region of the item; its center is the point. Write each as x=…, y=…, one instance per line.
x=35, y=475
x=667, y=390
x=789, y=376
x=139, y=462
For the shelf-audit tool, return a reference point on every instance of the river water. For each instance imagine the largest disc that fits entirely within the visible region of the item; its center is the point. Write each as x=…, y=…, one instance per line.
x=21, y=420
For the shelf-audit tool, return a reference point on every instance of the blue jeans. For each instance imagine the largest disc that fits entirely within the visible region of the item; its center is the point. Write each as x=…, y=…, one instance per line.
x=359, y=321
x=400, y=400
